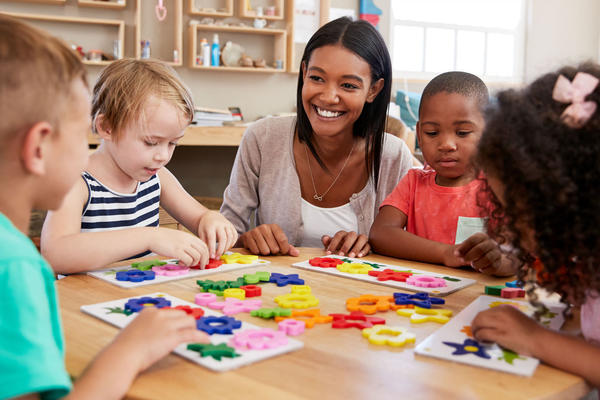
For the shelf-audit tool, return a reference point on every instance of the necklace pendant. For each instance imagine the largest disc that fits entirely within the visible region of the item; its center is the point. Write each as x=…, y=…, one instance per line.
x=317, y=197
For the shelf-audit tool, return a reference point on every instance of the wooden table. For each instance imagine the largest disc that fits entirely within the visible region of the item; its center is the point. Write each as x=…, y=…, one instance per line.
x=334, y=364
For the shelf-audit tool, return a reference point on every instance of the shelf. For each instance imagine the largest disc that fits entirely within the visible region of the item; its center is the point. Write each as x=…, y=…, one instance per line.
x=42, y=1
x=246, y=12
x=239, y=35
x=174, y=17
x=103, y=4
x=201, y=136
x=192, y=10
x=118, y=24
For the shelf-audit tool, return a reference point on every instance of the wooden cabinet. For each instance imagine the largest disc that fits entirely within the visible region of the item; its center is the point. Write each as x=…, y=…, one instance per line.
x=165, y=44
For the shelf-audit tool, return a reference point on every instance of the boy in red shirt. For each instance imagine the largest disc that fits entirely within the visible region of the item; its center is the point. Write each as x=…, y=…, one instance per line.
x=431, y=212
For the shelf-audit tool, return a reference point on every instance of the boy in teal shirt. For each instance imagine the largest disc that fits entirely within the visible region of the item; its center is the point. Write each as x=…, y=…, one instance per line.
x=45, y=117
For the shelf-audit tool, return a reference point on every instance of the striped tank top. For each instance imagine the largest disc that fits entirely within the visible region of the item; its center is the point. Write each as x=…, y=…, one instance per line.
x=109, y=210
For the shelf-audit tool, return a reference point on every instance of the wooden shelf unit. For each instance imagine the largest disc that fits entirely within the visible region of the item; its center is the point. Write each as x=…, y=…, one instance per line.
x=118, y=24
x=192, y=10
x=119, y=4
x=279, y=45
x=175, y=9
x=246, y=12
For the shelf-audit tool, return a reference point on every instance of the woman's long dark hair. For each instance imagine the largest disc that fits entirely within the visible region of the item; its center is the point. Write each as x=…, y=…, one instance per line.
x=361, y=38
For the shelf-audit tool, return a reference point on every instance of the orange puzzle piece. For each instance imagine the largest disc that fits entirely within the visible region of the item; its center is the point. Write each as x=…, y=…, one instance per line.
x=310, y=317
x=369, y=303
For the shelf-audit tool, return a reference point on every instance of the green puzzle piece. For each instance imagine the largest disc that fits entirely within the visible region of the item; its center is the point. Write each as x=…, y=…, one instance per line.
x=236, y=284
x=271, y=312
x=451, y=279
x=259, y=276
x=214, y=351
x=509, y=356
x=148, y=264
x=117, y=310
x=208, y=285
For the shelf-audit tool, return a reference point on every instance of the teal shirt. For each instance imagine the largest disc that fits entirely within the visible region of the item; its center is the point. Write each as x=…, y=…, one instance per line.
x=31, y=339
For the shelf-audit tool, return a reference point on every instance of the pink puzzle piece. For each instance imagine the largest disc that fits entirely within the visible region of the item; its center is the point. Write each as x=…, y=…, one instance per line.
x=510, y=293
x=292, y=327
x=426, y=281
x=170, y=270
x=231, y=305
x=258, y=339
x=204, y=299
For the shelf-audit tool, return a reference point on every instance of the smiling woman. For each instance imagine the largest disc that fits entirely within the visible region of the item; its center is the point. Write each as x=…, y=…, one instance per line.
x=318, y=178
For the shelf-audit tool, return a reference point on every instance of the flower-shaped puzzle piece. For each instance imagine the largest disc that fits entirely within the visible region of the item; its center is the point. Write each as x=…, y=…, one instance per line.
x=147, y=265
x=215, y=351
x=301, y=289
x=135, y=275
x=238, y=258
x=232, y=305
x=390, y=275
x=194, y=312
x=136, y=305
x=296, y=300
x=292, y=327
x=325, y=262
x=204, y=299
x=355, y=319
x=419, y=314
x=219, y=325
x=427, y=281
x=212, y=263
x=258, y=339
x=251, y=290
x=354, y=268
x=420, y=299
x=310, y=317
x=469, y=346
x=171, y=270
x=391, y=335
x=369, y=303
x=207, y=285
x=268, y=313
x=282, y=279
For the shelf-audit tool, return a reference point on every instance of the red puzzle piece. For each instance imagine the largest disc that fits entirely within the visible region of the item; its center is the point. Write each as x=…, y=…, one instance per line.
x=390, y=275
x=509, y=293
x=252, y=290
x=325, y=262
x=212, y=263
x=343, y=321
x=194, y=312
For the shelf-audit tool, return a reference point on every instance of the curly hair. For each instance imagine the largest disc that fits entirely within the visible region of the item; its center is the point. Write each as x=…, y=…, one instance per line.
x=551, y=178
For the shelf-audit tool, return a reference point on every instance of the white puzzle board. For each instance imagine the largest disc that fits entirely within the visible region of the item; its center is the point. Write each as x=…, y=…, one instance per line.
x=109, y=275
x=454, y=332
x=103, y=312
x=455, y=283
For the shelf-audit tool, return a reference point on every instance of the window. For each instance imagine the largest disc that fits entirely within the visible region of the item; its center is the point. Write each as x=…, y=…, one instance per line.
x=484, y=37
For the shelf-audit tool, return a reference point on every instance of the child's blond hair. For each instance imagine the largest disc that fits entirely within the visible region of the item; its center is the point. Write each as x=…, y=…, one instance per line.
x=124, y=87
x=37, y=71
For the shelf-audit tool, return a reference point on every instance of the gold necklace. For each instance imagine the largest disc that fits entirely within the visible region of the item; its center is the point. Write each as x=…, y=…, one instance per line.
x=316, y=196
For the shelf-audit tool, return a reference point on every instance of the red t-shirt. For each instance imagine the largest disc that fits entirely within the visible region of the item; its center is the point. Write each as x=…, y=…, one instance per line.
x=433, y=210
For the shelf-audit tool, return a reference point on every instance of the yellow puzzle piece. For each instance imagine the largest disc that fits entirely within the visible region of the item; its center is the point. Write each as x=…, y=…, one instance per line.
x=235, y=292
x=354, y=268
x=391, y=335
x=297, y=300
x=419, y=314
x=301, y=289
x=238, y=258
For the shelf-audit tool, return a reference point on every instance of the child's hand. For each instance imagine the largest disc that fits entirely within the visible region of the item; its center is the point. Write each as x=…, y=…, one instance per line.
x=481, y=252
x=184, y=246
x=268, y=239
x=347, y=243
x=508, y=327
x=213, y=228
x=450, y=258
x=154, y=333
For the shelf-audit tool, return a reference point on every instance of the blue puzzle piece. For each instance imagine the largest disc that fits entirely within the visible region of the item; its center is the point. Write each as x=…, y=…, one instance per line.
x=514, y=284
x=420, y=299
x=135, y=275
x=367, y=7
x=282, y=279
x=469, y=346
x=220, y=325
x=136, y=305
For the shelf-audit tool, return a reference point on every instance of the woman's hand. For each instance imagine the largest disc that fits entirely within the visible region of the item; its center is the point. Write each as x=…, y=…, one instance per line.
x=349, y=244
x=268, y=239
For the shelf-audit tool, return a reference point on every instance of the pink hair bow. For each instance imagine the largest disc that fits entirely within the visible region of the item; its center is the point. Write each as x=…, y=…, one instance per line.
x=580, y=111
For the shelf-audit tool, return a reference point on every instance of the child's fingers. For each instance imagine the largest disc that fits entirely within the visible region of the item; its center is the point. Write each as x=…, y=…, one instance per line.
x=487, y=262
x=479, y=250
x=209, y=239
x=222, y=240
x=471, y=242
x=232, y=237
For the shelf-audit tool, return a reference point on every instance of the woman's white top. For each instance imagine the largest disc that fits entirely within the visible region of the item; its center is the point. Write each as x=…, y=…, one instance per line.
x=320, y=221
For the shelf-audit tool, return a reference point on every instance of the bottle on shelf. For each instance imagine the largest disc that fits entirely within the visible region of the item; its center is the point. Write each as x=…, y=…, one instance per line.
x=215, y=51
x=205, y=52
